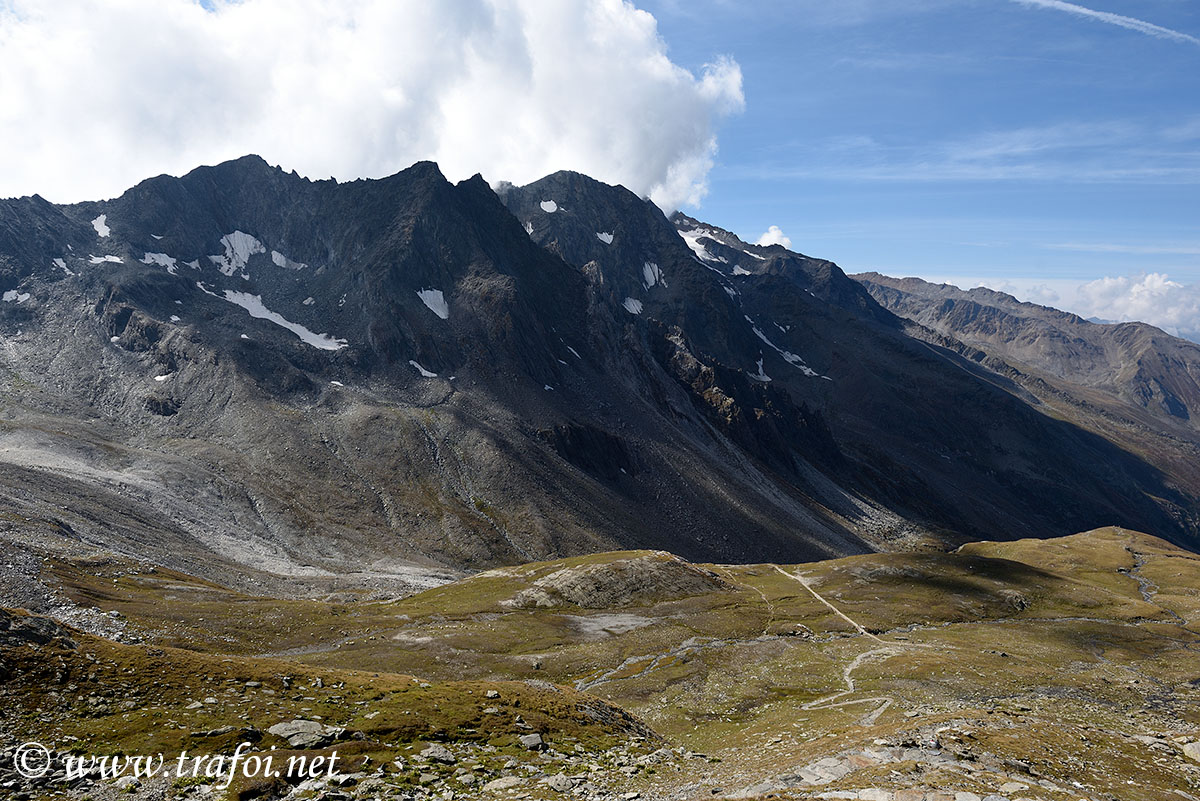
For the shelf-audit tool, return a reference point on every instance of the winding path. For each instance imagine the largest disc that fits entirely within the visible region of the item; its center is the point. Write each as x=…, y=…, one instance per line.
x=888, y=650
x=1147, y=588
x=883, y=701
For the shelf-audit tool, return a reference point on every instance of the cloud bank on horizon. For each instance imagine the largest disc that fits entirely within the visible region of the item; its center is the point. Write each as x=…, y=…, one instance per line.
x=93, y=102
x=1151, y=298
x=1148, y=297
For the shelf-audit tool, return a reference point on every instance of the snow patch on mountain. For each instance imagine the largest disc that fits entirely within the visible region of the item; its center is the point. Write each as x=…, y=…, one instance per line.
x=254, y=305
x=161, y=259
x=101, y=226
x=692, y=238
x=788, y=356
x=62, y=265
x=424, y=373
x=436, y=301
x=286, y=263
x=549, y=206
x=653, y=274
x=761, y=375
x=239, y=247
x=13, y=296
x=605, y=237
x=103, y=259
x=632, y=306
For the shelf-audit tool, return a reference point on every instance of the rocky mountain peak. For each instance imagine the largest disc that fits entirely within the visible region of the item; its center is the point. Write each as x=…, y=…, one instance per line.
x=245, y=367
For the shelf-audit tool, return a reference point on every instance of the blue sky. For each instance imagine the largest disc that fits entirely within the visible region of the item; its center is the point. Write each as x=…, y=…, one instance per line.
x=958, y=139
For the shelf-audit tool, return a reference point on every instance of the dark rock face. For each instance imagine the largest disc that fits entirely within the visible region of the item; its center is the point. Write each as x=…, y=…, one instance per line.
x=593, y=451
x=244, y=372
x=18, y=629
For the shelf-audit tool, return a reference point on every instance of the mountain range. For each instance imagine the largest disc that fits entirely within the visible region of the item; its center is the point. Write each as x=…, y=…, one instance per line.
x=248, y=375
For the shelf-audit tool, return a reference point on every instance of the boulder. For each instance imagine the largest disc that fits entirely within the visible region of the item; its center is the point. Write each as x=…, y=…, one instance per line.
x=503, y=783
x=17, y=628
x=439, y=753
x=531, y=741
x=559, y=783
x=304, y=733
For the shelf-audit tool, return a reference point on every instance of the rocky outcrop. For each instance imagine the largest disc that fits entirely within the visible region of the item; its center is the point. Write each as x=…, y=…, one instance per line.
x=620, y=583
x=18, y=628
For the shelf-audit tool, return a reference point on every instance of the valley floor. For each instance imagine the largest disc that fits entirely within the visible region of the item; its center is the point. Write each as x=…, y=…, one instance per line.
x=1058, y=670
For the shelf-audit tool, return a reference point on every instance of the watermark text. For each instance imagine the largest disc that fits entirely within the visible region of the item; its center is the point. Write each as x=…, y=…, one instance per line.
x=34, y=760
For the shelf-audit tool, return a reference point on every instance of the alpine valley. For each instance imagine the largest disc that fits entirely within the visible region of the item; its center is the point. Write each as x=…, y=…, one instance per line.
x=536, y=492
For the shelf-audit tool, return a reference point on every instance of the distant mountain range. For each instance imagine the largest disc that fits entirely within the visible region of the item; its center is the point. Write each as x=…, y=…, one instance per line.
x=245, y=373
x=1134, y=362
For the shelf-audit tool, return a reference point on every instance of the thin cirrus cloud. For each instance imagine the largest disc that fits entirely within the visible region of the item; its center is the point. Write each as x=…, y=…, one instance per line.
x=1113, y=151
x=1130, y=23
x=1138, y=250
x=92, y=102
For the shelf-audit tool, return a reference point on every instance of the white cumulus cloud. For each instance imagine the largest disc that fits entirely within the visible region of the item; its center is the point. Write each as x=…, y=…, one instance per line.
x=94, y=99
x=1150, y=298
x=774, y=236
